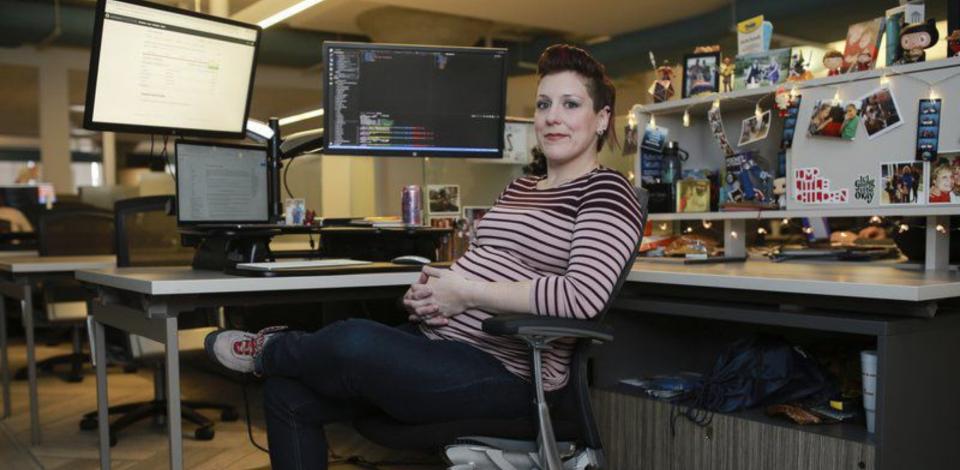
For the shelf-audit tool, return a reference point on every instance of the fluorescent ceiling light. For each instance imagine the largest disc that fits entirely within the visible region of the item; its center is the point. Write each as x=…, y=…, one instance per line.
x=286, y=13
x=301, y=117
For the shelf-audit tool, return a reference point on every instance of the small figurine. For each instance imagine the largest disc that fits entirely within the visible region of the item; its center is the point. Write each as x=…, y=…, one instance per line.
x=833, y=61
x=662, y=88
x=783, y=101
x=864, y=60
x=914, y=38
x=798, y=69
x=726, y=75
x=953, y=43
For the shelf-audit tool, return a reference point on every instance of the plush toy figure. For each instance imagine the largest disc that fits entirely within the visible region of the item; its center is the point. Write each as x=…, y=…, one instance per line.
x=914, y=38
x=833, y=61
x=953, y=43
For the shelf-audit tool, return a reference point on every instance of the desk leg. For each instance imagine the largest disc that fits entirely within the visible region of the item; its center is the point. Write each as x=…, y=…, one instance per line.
x=26, y=308
x=103, y=418
x=4, y=363
x=175, y=429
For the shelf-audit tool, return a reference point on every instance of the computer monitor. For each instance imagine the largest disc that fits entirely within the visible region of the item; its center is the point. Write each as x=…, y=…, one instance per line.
x=162, y=70
x=23, y=196
x=420, y=101
x=221, y=184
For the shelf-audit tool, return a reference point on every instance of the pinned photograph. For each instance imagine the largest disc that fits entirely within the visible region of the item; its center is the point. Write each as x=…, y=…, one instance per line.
x=444, y=199
x=701, y=74
x=944, y=180
x=630, y=139
x=754, y=129
x=762, y=69
x=716, y=128
x=928, y=129
x=471, y=218
x=902, y=183
x=654, y=138
x=879, y=112
x=831, y=119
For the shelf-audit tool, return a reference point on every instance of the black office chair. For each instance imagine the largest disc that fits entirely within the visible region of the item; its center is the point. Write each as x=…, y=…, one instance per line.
x=62, y=302
x=529, y=443
x=146, y=235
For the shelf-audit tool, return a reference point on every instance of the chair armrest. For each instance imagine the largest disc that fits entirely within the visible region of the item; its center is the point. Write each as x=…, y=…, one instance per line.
x=534, y=325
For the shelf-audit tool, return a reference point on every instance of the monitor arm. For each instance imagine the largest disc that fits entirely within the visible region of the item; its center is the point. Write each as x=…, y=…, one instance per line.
x=301, y=143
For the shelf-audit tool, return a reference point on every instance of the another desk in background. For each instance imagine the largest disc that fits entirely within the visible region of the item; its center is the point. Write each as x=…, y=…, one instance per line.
x=18, y=277
x=146, y=301
x=672, y=318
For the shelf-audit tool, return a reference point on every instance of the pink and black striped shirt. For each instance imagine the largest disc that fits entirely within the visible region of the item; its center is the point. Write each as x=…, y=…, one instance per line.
x=571, y=242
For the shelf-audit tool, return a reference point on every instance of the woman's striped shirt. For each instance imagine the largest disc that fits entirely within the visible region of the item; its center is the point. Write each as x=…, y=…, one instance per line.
x=572, y=242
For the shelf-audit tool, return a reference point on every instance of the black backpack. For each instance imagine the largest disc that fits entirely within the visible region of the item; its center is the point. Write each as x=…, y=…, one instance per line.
x=756, y=371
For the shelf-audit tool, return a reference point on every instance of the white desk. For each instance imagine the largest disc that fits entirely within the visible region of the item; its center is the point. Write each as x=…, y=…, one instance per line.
x=842, y=279
x=18, y=275
x=146, y=301
x=670, y=317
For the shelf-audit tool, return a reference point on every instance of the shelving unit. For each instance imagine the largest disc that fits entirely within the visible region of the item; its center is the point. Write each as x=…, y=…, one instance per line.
x=840, y=160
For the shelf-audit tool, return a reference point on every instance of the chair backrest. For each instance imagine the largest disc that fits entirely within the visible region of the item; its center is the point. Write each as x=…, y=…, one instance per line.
x=75, y=231
x=146, y=233
x=578, y=373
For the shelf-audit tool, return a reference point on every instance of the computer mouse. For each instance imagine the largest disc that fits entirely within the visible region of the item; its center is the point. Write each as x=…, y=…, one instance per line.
x=411, y=260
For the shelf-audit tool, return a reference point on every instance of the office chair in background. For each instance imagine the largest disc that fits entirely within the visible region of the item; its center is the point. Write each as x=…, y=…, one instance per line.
x=62, y=302
x=529, y=443
x=146, y=235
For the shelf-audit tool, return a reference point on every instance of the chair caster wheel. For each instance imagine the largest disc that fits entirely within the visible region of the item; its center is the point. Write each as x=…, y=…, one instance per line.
x=229, y=415
x=204, y=434
x=113, y=440
x=130, y=369
x=88, y=424
x=74, y=378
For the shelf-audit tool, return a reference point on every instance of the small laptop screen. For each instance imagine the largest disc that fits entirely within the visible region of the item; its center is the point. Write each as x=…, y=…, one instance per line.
x=221, y=184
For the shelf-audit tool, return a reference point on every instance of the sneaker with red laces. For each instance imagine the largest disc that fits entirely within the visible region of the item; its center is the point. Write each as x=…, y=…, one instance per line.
x=238, y=350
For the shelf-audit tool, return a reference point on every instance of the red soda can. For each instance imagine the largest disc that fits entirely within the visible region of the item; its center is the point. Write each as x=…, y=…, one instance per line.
x=410, y=205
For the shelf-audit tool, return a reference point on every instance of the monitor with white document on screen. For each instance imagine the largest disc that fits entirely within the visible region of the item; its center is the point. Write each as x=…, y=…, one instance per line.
x=221, y=184
x=162, y=70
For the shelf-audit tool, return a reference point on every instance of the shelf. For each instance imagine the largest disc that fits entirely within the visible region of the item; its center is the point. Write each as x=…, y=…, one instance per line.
x=808, y=319
x=855, y=430
x=748, y=97
x=913, y=211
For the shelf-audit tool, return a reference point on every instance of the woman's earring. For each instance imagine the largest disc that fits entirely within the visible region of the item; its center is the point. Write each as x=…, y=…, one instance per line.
x=601, y=131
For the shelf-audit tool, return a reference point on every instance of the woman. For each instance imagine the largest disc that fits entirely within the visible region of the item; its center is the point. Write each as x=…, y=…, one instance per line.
x=942, y=184
x=551, y=245
x=850, y=121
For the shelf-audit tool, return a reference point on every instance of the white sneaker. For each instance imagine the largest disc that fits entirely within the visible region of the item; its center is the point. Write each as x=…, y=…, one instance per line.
x=237, y=350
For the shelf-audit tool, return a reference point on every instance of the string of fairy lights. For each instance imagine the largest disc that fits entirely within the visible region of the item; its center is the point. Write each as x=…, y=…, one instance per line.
x=899, y=225
x=885, y=80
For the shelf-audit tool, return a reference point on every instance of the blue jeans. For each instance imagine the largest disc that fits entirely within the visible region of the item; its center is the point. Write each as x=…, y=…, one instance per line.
x=355, y=368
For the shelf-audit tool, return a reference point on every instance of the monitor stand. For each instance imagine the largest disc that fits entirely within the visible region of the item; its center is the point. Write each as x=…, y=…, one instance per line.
x=219, y=250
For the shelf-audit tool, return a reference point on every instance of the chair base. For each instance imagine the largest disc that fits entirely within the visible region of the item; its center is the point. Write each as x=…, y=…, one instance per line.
x=74, y=360
x=484, y=453
x=157, y=409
